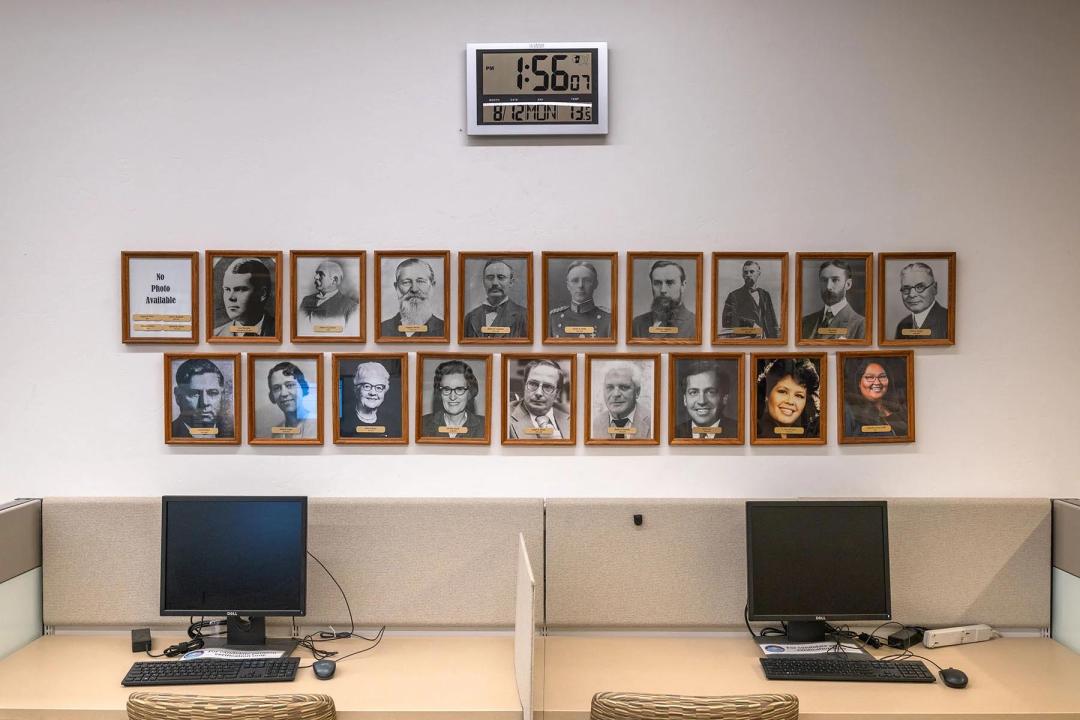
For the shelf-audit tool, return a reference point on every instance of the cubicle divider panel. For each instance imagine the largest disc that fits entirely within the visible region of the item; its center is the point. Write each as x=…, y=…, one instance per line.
x=20, y=574
x=1065, y=598
x=683, y=566
x=953, y=561
x=403, y=562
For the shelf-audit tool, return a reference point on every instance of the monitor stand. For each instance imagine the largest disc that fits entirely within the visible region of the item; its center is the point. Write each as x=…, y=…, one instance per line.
x=806, y=633
x=250, y=635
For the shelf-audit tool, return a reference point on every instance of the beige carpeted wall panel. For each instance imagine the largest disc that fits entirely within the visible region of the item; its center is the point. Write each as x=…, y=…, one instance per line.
x=405, y=562
x=952, y=561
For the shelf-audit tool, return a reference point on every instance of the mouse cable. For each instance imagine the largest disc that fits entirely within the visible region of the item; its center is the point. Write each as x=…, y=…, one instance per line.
x=352, y=625
x=309, y=644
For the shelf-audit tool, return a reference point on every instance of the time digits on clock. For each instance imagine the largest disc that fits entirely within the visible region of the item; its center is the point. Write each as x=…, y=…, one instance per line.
x=552, y=76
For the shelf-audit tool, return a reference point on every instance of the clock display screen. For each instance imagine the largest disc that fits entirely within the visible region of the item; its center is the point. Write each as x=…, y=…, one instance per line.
x=536, y=86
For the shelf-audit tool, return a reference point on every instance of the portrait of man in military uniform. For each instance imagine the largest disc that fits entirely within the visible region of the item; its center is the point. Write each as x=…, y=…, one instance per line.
x=580, y=291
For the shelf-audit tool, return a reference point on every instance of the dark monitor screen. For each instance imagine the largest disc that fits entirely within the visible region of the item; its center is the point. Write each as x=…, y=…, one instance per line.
x=813, y=560
x=244, y=555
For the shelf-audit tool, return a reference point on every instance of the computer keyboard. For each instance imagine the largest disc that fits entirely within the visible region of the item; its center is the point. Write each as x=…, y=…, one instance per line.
x=817, y=668
x=209, y=672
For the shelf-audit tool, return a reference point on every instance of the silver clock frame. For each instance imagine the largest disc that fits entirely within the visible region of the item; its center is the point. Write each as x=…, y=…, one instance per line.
x=471, y=88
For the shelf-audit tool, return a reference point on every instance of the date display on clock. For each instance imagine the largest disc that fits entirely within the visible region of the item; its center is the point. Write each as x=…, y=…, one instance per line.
x=537, y=88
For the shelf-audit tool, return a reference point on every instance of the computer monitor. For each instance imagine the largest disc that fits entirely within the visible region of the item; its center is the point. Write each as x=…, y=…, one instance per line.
x=241, y=557
x=811, y=562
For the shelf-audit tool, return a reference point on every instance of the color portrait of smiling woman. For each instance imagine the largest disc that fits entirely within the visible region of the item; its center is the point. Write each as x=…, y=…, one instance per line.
x=875, y=398
x=788, y=399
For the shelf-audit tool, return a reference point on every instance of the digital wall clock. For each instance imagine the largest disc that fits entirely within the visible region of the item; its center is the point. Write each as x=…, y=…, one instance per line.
x=552, y=88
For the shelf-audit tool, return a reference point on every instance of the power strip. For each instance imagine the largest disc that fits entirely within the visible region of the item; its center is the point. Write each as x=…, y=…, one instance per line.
x=956, y=635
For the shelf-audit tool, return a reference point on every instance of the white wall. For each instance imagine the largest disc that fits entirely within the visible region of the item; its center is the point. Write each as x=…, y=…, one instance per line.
x=734, y=125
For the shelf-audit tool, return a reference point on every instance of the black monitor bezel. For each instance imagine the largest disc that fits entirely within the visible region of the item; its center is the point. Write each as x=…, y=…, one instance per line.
x=248, y=612
x=881, y=504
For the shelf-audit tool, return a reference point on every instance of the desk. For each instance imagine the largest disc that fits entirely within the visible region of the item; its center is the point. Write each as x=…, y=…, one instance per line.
x=77, y=677
x=1009, y=679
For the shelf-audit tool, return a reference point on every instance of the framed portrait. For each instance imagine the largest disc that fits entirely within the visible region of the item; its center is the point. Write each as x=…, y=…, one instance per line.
x=243, y=296
x=495, y=298
x=833, y=298
x=412, y=296
x=664, y=298
x=875, y=395
x=705, y=399
x=371, y=399
x=159, y=297
x=622, y=399
x=580, y=297
x=202, y=393
x=917, y=298
x=453, y=398
x=750, y=298
x=285, y=399
x=327, y=296
x=538, y=399
x=788, y=401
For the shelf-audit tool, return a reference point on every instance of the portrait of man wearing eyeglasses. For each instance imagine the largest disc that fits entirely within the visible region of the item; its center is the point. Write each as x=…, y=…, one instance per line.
x=538, y=413
x=926, y=318
x=371, y=414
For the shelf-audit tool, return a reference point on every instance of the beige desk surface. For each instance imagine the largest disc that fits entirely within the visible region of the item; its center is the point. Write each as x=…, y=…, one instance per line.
x=405, y=678
x=1009, y=679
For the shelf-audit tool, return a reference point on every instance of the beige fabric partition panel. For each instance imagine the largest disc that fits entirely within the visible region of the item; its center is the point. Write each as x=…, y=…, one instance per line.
x=952, y=561
x=1067, y=536
x=407, y=562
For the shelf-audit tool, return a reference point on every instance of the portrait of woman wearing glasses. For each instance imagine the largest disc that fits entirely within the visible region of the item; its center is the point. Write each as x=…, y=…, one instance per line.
x=454, y=412
x=370, y=390
x=538, y=400
x=875, y=398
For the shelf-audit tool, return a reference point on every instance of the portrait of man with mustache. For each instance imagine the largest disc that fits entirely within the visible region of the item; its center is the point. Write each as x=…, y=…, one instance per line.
x=419, y=301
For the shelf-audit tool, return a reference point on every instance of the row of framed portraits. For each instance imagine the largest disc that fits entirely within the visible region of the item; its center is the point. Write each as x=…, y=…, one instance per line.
x=916, y=299
x=453, y=398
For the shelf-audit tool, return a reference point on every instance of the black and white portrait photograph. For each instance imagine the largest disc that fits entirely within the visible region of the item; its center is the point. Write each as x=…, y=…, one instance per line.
x=453, y=398
x=705, y=399
x=202, y=394
x=876, y=396
x=327, y=296
x=789, y=402
x=160, y=297
x=622, y=396
x=371, y=399
x=495, y=298
x=917, y=298
x=412, y=296
x=750, y=298
x=285, y=399
x=580, y=297
x=243, y=297
x=538, y=401
x=833, y=298
x=664, y=298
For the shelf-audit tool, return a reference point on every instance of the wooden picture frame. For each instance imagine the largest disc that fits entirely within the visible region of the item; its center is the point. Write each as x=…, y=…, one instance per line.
x=519, y=426
x=392, y=328
x=581, y=322
x=341, y=318
x=261, y=318
x=852, y=325
x=877, y=410
x=809, y=424
x=897, y=309
x=712, y=414
x=738, y=317
x=430, y=427
x=271, y=391
x=514, y=321
x=599, y=429
x=390, y=425
x=203, y=408
x=684, y=327
x=167, y=300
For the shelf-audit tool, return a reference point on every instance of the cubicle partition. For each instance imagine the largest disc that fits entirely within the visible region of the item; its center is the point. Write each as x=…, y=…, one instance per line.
x=1066, y=584
x=20, y=574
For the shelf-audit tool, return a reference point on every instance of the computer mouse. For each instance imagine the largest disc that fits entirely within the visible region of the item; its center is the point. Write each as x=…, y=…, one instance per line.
x=953, y=678
x=324, y=669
